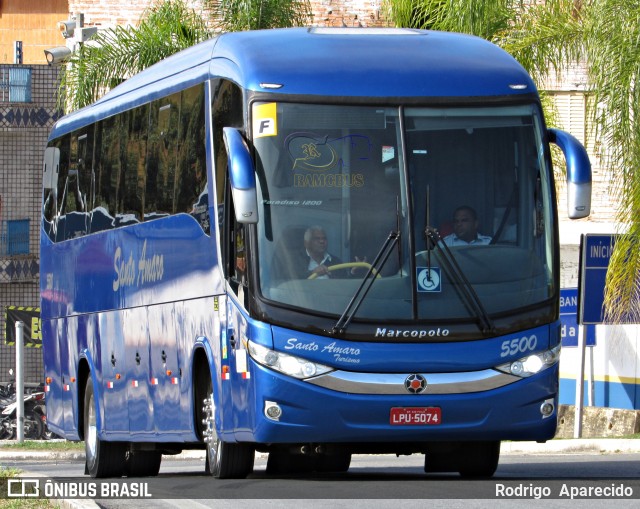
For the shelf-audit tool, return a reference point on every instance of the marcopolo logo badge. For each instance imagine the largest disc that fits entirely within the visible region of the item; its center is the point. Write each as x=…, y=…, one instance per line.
x=415, y=384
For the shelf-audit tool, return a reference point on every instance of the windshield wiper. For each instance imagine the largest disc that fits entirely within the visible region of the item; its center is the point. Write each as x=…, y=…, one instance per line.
x=456, y=274
x=379, y=261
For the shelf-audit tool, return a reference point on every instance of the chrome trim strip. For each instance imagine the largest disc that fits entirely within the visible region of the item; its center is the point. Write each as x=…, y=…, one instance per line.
x=393, y=383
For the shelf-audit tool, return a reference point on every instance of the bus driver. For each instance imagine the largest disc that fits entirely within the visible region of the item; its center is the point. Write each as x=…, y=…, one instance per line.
x=465, y=229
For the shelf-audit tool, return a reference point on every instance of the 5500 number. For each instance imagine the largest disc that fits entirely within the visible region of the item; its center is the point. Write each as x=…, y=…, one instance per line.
x=519, y=345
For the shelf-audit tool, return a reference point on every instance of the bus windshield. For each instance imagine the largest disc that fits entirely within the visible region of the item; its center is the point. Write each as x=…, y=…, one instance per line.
x=464, y=192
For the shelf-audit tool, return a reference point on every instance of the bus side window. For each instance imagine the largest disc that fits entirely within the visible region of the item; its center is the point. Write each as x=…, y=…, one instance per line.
x=164, y=123
x=191, y=178
x=136, y=157
x=63, y=173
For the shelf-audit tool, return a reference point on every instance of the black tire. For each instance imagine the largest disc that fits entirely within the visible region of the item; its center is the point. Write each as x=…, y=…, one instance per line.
x=470, y=459
x=285, y=462
x=7, y=431
x=103, y=459
x=229, y=461
x=33, y=427
x=143, y=463
x=480, y=459
x=334, y=462
x=224, y=460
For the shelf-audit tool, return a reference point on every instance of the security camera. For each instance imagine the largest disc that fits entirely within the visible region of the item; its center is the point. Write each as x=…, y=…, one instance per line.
x=67, y=28
x=57, y=55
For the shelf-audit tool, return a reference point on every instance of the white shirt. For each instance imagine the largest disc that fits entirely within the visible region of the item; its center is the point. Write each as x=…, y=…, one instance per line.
x=453, y=240
x=314, y=264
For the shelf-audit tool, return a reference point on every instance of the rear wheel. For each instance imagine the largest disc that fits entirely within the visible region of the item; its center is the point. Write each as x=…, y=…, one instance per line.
x=33, y=427
x=7, y=431
x=103, y=459
x=143, y=463
x=224, y=460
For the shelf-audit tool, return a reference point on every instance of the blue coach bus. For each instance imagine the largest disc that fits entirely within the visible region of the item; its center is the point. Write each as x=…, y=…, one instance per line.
x=184, y=306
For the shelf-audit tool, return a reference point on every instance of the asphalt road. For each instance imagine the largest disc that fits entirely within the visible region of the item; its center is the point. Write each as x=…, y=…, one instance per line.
x=373, y=481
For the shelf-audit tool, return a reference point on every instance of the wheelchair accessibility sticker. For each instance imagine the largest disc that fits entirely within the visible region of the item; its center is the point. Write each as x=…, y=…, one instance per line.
x=429, y=279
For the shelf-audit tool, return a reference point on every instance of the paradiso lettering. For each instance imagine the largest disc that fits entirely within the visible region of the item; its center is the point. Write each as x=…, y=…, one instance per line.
x=129, y=273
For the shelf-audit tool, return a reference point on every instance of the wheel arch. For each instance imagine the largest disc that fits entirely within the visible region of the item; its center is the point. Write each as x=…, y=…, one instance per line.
x=86, y=370
x=203, y=368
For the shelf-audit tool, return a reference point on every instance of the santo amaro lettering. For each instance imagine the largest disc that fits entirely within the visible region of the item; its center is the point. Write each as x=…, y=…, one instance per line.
x=382, y=332
x=130, y=272
x=332, y=348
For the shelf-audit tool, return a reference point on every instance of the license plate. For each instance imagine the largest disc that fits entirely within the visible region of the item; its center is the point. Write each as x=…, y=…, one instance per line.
x=415, y=416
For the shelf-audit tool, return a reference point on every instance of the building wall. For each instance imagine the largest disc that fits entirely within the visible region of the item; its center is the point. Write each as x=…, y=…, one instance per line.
x=24, y=128
x=326, y=12
x=35, y=23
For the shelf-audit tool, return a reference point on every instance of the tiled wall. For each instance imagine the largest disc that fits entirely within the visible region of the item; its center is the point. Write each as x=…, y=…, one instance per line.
x=24, y=128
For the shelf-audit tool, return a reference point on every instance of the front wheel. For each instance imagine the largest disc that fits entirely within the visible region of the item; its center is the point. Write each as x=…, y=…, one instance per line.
x=481, y=459
x=469, y=459
x=224, y=460
x=103, y=459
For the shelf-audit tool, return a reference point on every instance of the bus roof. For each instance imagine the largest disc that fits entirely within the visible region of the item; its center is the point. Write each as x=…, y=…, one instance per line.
x=388, y=64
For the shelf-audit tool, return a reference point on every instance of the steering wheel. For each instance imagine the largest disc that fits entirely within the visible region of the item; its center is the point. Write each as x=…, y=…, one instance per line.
x=348, y=265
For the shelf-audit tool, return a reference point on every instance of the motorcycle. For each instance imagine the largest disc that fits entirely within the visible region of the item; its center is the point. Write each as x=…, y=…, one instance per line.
x=33, y=424
x=41, y=410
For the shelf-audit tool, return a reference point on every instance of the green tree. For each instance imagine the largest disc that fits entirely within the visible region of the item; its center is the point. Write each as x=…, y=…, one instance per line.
x=239, y=15
x=167, y=27
x=547, y=37
x=115, y=54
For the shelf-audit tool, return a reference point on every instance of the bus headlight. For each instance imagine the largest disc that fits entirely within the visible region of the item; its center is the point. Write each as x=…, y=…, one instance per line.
x=285, y=363
x=532, y=364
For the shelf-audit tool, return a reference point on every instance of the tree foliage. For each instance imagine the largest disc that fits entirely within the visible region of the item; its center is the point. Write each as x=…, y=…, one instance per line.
x=115, y=54
x=239, y=15
x=548, y=37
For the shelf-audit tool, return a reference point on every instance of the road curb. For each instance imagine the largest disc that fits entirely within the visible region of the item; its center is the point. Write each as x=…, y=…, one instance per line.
x=575, y=445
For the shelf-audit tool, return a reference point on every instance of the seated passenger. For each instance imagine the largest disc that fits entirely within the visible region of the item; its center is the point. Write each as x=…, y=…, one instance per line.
x=465, y=229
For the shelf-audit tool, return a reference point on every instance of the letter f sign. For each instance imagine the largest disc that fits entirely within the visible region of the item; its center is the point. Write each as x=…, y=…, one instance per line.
x=266, y=127
x=264, y=120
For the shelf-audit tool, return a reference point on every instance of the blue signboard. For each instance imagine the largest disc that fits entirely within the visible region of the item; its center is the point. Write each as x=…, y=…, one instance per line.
x=569, y=320
x=595, y=253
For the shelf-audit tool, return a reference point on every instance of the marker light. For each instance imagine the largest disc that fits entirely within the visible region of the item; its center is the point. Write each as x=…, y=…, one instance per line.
x=532, y=364
x=285, y=363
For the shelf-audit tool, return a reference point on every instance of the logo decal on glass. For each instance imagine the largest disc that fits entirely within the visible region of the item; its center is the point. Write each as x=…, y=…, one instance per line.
x=429, y=279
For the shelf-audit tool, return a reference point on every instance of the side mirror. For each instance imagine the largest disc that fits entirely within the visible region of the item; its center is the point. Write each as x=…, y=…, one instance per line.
x=578, y=173
x=241, y=176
